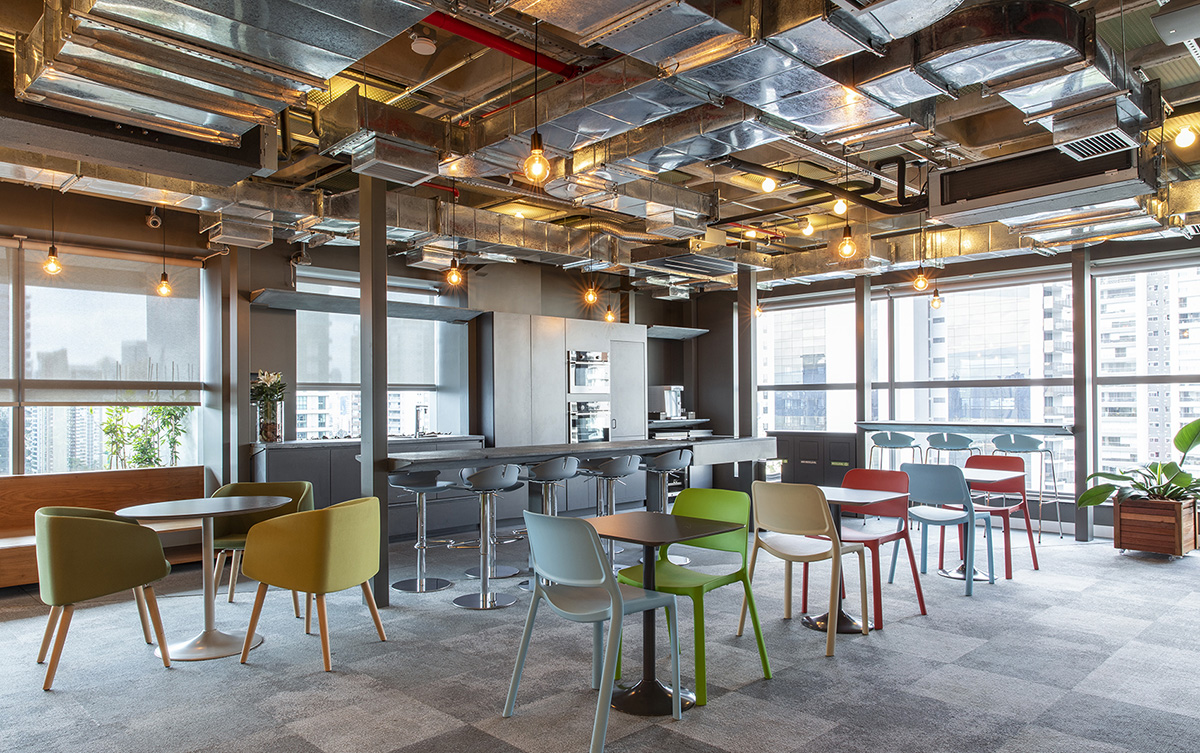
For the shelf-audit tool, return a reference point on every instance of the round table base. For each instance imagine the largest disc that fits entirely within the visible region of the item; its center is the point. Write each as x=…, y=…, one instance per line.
x=422, y=586
x=502, y=571
x=960, y=573
x=211, y=644
x=492, y=601
x=649, y=698
x=845, y=624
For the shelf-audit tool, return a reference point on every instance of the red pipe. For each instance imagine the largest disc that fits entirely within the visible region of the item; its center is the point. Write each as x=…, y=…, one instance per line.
x=496, y=42
x=443, y=188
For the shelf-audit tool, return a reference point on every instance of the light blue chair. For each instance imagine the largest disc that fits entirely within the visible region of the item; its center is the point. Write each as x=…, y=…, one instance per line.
x=944, y=442
x=1022, y=444
x=582, y=588
x=892, y=440
x=943, y=499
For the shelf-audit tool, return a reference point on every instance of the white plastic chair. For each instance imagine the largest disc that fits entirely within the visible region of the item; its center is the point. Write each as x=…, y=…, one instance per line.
x=788, y=518
x=583, y=588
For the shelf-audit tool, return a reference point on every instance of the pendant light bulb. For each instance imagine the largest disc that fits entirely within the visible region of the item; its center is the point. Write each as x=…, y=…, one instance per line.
x=1185, y=138
x=609, y=316
x=768, y=185
x=936, y=301
x=757, y=311
x=751, y=233
x=808, y=227
x=840, y=206
x=846, y=248
x=52, y=265
x=922, y=282
x=537, y=167
x=454, y=275
x=164, y=286
x=590, y=296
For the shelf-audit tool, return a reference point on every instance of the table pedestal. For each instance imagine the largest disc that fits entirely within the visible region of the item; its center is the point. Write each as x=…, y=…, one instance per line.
x=960, y=573
x=845, y=623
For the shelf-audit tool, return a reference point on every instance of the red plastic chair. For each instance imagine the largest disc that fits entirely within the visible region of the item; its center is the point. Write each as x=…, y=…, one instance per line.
x=1004, y=512
x=892, y=481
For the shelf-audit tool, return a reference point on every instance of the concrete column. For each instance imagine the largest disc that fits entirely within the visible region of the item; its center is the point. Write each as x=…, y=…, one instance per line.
x=1083, y=386
x=746, y=373
x=219, y=351
x=864, y=350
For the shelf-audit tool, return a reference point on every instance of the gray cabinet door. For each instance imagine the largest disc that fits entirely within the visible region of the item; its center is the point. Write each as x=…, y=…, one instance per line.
x=628, y=364
x=548, y=383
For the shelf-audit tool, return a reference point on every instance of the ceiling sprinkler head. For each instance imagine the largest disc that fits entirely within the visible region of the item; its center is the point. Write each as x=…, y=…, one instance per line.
x=423, y=45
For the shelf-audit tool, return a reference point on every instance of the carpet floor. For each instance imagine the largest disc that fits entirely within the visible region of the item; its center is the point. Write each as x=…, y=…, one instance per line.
x=1097, y=651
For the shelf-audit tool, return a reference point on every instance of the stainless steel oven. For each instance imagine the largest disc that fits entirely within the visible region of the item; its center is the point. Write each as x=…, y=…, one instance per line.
x=590, y=421
x=587, y=371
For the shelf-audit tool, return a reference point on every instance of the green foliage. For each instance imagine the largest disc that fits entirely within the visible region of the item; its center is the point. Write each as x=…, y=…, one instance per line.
x=1152, y=480
x=140, y=445
x=269, y=387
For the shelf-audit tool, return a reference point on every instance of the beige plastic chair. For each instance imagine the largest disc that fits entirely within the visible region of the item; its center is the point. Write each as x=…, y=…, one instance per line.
x=788, y=518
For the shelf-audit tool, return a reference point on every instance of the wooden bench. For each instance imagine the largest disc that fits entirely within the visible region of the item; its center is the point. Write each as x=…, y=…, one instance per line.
x=21, y=496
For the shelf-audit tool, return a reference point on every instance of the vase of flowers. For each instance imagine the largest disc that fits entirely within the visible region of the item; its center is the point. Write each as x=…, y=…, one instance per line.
x=267, y=392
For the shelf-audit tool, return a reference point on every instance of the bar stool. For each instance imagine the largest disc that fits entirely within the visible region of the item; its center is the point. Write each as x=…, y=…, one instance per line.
x=607, y=472
x=1022, y=444
x=548, y=475
x=662, y=466
x=487, y=483
x=892, y=440
x=421, y=483
x=949, y=443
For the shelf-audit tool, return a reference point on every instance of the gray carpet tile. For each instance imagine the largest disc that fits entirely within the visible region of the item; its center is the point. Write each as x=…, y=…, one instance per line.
x=1095, y=652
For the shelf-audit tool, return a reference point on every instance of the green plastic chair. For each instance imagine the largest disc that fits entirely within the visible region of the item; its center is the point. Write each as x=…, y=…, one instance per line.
x=714, y=504
x=317, y=552
x=229, y=532
x=84, y=554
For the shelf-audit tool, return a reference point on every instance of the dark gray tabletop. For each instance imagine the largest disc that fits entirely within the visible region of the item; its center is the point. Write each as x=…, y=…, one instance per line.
x=657, y=528
x=202, y=507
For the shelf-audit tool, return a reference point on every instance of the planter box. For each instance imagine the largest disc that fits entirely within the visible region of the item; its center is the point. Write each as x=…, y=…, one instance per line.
x=1152, y=525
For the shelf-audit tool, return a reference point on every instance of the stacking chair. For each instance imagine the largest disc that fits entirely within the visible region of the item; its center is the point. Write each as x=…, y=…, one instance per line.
x=794, y=523
x=1021, y=444
x=317, y=552
x=83, y=554
x=892, y=440
x=943, y=499
x=940, y=443
x=714, y=504
x=229, y=532
x=1004, y=509
x=574, y=578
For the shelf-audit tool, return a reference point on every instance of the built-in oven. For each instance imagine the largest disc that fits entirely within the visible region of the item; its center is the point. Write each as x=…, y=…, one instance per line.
x=587, y=371
x=590, y=421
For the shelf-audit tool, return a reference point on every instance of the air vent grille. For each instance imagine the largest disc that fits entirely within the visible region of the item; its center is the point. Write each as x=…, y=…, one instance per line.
x=1112, y=141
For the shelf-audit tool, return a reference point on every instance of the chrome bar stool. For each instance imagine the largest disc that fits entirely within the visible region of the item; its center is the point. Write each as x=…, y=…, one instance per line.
x=487, y=483
x=892, y=440
x=421, y=483
x=1023, y=444
x=607, y=473
x=662, y=466
x=940, y=443
x=548, y=475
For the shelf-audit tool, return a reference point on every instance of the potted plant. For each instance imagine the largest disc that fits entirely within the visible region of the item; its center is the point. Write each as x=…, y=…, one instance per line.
x=1154, y=505
x=267, y=393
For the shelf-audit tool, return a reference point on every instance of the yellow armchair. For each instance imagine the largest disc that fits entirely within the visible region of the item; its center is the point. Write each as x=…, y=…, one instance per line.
x=83, y=554
x=317, y=552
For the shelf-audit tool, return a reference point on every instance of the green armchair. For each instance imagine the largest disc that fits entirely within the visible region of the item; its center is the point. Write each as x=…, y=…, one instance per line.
x=84, y=554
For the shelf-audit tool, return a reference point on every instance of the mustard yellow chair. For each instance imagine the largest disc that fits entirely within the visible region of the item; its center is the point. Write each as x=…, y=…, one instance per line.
x=317, y=552
x=229, y=532
x=83, y=554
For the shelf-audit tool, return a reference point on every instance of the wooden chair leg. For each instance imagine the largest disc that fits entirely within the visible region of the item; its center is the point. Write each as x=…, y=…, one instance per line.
x=219, y=567
x=233, y=572
x=259, y=597
x=140, y=598
x=369, y=595
x=64, y=622
x=49, y=634
x=156, y=618
x=308, y=600
x=1007, y=521
x=296, y=604
x=323, y=621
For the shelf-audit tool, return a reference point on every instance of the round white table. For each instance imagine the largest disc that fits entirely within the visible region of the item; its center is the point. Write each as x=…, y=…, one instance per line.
x=210, y=643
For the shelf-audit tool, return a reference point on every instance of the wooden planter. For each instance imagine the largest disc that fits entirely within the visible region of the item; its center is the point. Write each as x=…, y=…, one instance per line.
x=1154, y=525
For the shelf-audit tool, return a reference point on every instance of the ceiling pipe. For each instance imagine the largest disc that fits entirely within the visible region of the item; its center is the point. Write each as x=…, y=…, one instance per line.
x=905, y=204
x=497, y=42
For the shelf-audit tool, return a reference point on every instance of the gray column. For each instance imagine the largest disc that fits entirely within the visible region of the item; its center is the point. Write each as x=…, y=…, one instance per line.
x=1082, y=386
x=219, y=353
x=864, y=351
x=372, y=270
x=746, y=374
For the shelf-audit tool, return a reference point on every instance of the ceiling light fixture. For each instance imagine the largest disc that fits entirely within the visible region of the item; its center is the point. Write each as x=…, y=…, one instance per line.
x=936, y=301
x=609, y=316
x=921, y=282
x=846, y=249
x=1185, y=138
x=757, y=311
x=808, y=227
x=590, y=296
x=52, y=265
x=768, y=185
x=163, y=288
x=751, y=233
x=423, y=44
x=840, y=206
x=537, y=167
x=454, y=275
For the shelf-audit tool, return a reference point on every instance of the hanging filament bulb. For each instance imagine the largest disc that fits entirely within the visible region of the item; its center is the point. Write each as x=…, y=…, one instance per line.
x=590, y=296
x=1185, y=138
x=808, y=227
x=609, y=316
x=537, y=167
x=164, y=286
x=751, y=233
x=846, y=248
x=758, y=311
x=454, y=275
x=840, y=207
x=936, y=301
x=52, y=265
x=922, y=282
x=768, y=185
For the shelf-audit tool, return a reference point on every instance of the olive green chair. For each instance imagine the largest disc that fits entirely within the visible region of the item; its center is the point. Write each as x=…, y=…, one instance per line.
x=317, y=552
x=83, y=554
x=229, y=532
x=714, y=504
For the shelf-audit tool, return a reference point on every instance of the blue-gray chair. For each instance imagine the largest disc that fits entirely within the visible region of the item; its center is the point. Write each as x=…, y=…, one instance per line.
x=946, y=442
x=942, y=498
x=892, y=440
